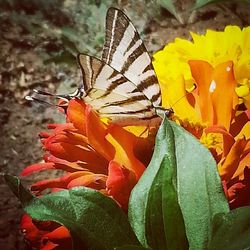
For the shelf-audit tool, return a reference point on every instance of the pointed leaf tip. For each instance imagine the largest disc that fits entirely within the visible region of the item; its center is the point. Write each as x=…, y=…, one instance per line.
x=18, y=189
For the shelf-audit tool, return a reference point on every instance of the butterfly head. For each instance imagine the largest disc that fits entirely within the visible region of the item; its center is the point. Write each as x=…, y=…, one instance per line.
x=169, y=112
x=164, y=112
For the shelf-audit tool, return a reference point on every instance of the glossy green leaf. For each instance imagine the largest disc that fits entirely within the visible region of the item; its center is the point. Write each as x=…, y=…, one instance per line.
x=94, y=220
x=199, y=189
x=231, y=231
x=154, y=211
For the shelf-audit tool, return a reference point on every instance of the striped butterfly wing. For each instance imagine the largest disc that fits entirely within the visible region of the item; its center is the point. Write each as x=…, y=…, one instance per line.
x=124, y=51
x=113, y=95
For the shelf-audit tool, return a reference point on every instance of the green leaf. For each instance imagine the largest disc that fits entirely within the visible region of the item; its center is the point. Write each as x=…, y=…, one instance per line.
x=18, y=189
x=94, y=220
x=231, y=231
x=154, y=211
x=199, y=190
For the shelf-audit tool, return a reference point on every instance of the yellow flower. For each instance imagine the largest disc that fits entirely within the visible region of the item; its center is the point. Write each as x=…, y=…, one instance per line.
x=207, y=83
x=232, y=44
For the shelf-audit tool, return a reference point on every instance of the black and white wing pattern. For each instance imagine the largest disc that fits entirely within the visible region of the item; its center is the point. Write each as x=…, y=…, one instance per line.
x=113, y=95
x=123, y=85
x=124, y=51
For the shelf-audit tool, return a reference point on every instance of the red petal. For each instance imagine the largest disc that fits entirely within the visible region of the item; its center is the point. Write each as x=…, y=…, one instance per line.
x=242, y=189
x=120, y=183
x=65, y=165
x=37, y=167
x=59, y=234
x=61, y=182
x=49, y=246
x=44, y=135
x=30, y=231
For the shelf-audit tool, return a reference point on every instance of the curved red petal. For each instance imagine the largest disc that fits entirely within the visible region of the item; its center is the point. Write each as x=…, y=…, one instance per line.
x=120, y=182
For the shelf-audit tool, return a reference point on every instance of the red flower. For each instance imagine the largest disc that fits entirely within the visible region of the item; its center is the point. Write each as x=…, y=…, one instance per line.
x=45, y=235
x=93, y=154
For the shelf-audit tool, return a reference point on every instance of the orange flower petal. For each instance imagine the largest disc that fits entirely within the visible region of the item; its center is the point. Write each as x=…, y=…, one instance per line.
x=85, y=180
x=120, y=182
x=76, y=114
x=58, y=128
x=202, y=73
x=124, y=143
x=223, y=96
x=241, y=120
x=68, y=136
x=66, y=165
x=216, y=89
x=96, y=132
x=71, y=152
x=231, y=163
x=61, y=182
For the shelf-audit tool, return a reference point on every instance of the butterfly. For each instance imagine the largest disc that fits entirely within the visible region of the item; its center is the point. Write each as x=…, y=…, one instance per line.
x=122, y=85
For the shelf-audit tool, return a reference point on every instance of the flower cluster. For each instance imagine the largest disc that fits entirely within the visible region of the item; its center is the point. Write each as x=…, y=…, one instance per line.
x=207, y=81
x=108, y=158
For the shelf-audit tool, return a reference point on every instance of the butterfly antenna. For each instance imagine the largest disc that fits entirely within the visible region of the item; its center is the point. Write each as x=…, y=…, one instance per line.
x=178, y=100
x=51, y=105
x=188, y=93
x=77, y=93
x=41, y=92
x=34, y=99
x=169, y=111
